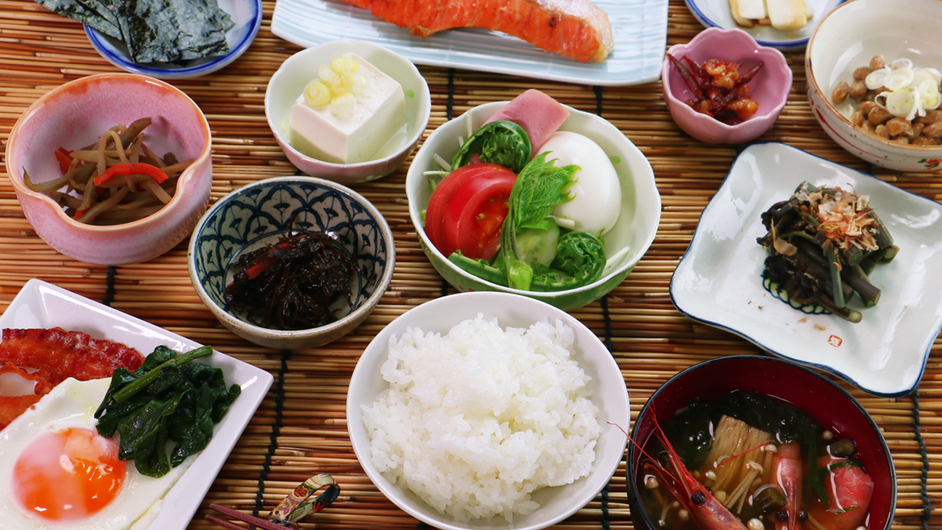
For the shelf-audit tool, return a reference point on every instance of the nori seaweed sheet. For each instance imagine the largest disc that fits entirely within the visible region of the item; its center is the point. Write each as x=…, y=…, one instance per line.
x=89, y=12
x=164, y=31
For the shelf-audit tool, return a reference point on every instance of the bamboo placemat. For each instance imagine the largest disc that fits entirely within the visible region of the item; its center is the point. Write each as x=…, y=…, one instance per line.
x=300, y=428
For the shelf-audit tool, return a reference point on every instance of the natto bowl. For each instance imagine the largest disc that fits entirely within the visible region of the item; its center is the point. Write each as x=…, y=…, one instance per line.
x=258, y=214
x=78, y=113
x=829, y=406
x=847, y=39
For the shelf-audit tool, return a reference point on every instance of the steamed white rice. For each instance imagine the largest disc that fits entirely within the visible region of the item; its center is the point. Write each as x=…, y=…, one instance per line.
x=477, y=419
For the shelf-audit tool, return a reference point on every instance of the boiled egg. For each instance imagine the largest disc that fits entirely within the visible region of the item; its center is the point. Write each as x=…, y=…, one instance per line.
x=57, y=472
x=596, y=191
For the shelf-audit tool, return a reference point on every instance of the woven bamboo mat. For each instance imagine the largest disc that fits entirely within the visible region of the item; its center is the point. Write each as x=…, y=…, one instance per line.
x=300, y=428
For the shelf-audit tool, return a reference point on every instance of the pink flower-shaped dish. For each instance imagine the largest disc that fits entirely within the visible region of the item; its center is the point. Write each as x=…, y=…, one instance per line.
x=76, y=114
x=769, y=87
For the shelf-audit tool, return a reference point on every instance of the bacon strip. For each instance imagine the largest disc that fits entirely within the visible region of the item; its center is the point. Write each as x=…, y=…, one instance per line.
x=54, y=355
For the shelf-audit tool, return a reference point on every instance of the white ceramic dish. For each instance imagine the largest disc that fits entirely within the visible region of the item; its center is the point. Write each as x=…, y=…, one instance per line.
x=289, y=81
x=441, y=314
x=43, y=305
x=247, y=17
x=718, y=281
x=716, y=14
x=639, y=28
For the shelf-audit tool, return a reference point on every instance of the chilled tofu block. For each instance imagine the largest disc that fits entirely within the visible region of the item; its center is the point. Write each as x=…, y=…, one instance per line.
x=360, y=117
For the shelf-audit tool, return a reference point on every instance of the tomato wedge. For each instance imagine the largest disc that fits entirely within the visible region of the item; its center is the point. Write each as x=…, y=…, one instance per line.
x=467, y=209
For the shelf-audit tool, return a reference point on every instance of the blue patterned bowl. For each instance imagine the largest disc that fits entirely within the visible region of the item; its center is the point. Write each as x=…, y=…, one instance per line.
x=261, y=212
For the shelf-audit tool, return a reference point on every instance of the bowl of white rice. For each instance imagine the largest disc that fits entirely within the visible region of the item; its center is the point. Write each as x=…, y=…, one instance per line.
x=488, y=410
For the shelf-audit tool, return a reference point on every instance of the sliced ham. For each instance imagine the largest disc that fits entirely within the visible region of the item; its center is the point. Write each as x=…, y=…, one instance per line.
x=577, y=29
x=538, y=114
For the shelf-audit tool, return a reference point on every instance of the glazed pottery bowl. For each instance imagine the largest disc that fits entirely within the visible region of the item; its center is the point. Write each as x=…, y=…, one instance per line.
x=258, y=215
x=608, y=393
x=298, y=70
x=849, y=38
x=246, y=17
x=627, y=242
x=76, y=114
x=828, y=405
x=769, y=87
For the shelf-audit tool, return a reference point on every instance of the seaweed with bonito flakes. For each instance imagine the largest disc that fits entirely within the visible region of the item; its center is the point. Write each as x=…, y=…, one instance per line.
x=823, y=244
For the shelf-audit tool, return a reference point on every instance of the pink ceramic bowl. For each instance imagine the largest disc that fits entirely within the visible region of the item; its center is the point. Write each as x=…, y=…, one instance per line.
x=770, y=86
x=76, y=114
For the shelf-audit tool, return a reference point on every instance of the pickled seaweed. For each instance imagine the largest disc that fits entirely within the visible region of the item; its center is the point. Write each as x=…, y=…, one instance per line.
x=293, y=283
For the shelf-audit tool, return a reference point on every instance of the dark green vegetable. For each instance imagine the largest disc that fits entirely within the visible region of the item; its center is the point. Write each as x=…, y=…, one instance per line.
x=823, y=244
x=155, y=31
x=500, y=142
x=169, y=398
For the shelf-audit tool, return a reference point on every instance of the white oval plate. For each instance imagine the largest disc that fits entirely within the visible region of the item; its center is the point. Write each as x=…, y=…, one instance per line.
x=719, y=280
x=43, y=305
x=716, y=14
x=639, y=28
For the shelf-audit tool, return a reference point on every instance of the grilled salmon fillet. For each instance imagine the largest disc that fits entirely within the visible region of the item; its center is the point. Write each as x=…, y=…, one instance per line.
x=577, y=29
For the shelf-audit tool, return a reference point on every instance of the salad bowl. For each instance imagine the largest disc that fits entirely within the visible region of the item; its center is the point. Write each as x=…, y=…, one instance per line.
x=625, y=243
x=719, y=280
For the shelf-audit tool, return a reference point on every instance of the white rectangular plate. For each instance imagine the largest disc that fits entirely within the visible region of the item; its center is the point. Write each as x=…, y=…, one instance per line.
x=43, y=305
x=639, y=28
x=718, y=281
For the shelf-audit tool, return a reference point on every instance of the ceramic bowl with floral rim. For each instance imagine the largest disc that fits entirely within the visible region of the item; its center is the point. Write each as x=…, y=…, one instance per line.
x=719, y=281
x=769, y=87
x=259, y=215
x=289, y=81
x=848, y=38
x=625, y=243
x=75, y=115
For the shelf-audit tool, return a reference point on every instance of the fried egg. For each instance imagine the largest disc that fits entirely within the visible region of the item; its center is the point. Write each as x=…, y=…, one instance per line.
x=57, y=472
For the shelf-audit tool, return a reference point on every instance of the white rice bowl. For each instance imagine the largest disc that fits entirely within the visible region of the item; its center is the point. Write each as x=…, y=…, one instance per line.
x=605, y=391
x=477, y=419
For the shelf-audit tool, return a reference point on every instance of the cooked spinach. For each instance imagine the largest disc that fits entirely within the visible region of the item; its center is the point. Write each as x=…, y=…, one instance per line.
x=168, y=400
x=155, y=31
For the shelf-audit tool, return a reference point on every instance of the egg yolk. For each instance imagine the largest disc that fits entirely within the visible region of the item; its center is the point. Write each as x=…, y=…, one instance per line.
x=68, y=475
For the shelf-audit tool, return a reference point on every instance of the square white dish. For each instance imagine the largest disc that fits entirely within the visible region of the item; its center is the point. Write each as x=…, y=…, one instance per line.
x=639, y=28
x=719, y=280
x=42, y=305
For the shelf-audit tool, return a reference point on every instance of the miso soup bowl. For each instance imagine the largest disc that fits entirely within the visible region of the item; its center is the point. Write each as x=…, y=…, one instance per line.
x=829, y=406
x=260, y=213
x=76, y=114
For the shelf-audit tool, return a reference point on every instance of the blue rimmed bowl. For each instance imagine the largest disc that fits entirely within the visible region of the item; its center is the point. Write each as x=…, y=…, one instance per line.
x=259, y=214
x=246, y=16
x=717, y=14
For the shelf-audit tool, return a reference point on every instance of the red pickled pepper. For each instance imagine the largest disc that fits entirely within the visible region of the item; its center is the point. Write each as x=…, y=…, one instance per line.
x=718, y=88
x=135, y=168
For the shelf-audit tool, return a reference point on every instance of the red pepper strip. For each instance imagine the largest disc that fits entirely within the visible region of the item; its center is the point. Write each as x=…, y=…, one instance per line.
x=746, y=77
x=65, y=160
x=136, y=168
x=262, y=264
x=688, y=78
x=79, y=213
